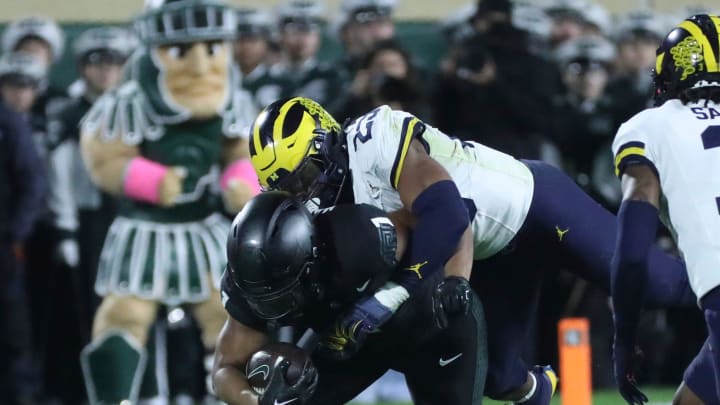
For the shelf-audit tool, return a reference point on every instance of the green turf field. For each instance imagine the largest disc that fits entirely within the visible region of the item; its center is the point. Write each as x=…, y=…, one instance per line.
x=657, y=396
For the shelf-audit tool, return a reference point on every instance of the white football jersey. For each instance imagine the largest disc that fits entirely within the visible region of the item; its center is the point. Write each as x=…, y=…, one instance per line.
x=682, y=144
x=500, y=186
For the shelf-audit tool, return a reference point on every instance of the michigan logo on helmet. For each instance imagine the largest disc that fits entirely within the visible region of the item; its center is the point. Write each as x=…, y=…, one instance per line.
x=175, y=21
x=292, y=147
x=689, y=57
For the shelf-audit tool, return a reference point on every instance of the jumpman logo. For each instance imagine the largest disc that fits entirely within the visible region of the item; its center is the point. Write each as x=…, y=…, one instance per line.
x=561, y=233
x=416, y=268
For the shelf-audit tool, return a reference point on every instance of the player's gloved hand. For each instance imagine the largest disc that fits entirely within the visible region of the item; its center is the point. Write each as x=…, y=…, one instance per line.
x=450, y=297
x=625, y=358
x=351, y=331
x=279, y=390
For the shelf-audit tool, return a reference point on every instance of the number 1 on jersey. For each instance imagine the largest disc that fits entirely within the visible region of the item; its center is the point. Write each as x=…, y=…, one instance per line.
x=711, y=139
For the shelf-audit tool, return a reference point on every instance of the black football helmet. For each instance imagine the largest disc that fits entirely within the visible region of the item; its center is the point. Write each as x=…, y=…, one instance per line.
x=689, y=57
x=271, y=253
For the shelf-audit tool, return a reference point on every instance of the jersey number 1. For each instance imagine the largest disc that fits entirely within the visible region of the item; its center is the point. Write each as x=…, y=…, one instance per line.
x=711, y=139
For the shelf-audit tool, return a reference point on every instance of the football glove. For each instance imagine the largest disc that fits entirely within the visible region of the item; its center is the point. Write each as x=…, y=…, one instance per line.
x=350, y=332
x=279, y=390
x=626, y=357
x=450, y=297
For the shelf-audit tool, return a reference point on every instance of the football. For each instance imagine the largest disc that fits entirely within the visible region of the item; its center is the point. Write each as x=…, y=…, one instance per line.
x=259, y=367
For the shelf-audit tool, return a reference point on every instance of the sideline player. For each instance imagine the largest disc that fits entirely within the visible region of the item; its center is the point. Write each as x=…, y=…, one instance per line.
x=519, y=212
x=667, y=157
x=287, y=268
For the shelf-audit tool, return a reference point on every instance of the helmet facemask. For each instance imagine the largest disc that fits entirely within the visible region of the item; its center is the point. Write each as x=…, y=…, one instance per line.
x=320, y=177
x=273, y=258
x=285, y=304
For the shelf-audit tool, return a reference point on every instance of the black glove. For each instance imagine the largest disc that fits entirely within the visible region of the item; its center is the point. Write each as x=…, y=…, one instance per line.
x=626, y=358
x=279, y=391
x=451, y=296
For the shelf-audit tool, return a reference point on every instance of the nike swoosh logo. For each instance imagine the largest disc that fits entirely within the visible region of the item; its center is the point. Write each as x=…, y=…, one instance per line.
x=444, y=362
x=264, y=370
x=286, y=402
x=363, y=287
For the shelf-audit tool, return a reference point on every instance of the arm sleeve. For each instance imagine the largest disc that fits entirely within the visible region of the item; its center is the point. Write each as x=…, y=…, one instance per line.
x=637, y=228
x=28, y=175
x=441, y=213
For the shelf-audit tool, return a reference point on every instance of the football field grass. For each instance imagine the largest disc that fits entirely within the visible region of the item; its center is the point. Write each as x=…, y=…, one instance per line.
x=657, y=396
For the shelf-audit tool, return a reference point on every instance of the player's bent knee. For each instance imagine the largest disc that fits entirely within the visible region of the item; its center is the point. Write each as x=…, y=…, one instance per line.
x=130, y=314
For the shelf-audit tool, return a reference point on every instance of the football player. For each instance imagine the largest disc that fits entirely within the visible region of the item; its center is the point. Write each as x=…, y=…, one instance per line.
x=464, y=201
x=665, y=157
x=286, y=267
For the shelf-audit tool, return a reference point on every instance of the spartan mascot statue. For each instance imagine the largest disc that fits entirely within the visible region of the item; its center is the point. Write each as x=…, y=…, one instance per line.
x=171, y=143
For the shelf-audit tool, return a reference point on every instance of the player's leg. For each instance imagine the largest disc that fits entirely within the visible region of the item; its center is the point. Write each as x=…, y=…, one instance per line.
x=450, y=368
x=341, y=381
x=581, y=234
x=710, y=303
x=698, y=387
x=113, y=363
x=509, y=287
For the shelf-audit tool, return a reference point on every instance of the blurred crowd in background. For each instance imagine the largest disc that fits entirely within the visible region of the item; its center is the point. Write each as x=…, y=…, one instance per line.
x=551, y=82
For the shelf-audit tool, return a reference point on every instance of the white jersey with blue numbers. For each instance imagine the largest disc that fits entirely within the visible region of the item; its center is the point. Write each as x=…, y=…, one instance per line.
x=682, y=144
x=500, y=186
